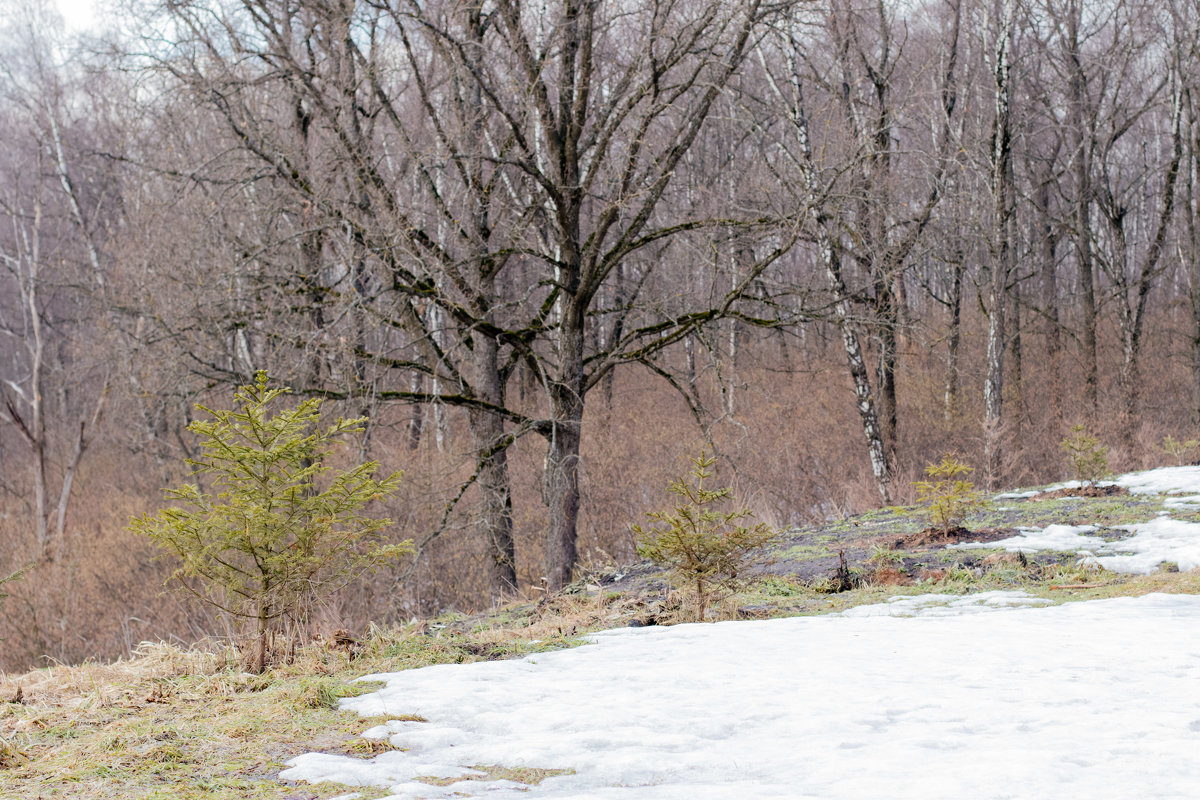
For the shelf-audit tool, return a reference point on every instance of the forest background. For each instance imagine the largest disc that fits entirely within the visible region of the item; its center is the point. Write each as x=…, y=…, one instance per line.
x=551, y=249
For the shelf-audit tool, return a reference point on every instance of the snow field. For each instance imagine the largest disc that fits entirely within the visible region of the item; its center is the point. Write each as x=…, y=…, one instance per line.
x=968, y=698
x=982, y=696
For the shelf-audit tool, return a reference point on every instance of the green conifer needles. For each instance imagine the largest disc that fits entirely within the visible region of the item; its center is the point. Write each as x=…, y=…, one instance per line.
x=947, y=497
x=1086, y=455
x=701, y=546
x=15, y=576
x=282, y=529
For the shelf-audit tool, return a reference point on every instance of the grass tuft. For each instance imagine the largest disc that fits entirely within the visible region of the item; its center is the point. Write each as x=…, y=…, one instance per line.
x=530, y=776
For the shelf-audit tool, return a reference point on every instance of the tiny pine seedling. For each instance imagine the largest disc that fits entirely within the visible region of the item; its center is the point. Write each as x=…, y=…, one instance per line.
x=1085, y=454
x=947, y=496
x=701, y=546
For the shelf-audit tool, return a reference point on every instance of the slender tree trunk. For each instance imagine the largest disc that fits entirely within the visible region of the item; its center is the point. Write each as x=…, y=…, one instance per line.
x=1081, y=159
x=1048, y=273
x=64, y=495
x=886, y=374
x=1190, y=248
x=263, y=632
x=1195, y=270
x=953, y=340
x=416, y=413
x=1002, y=254
x=880, y=467
x=41, y=523
x=1018, y=378
x=1130, y=378
x=831, y=260
x=993, y=387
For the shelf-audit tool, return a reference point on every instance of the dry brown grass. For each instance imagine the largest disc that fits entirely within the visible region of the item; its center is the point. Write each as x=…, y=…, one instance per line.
x=187, y=723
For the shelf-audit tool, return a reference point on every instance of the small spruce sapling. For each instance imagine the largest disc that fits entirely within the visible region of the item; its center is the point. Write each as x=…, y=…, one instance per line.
x=15, y=576
x=283, y=528
x=1184, y=452
x=1087, y=457
x=701, y=546
x=947, y=496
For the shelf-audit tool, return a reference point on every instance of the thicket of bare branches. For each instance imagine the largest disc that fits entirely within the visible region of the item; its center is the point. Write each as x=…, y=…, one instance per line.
x=549, y=248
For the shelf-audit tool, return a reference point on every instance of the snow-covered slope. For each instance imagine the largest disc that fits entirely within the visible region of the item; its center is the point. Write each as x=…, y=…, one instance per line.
x=1098, y=700
x=980, y=696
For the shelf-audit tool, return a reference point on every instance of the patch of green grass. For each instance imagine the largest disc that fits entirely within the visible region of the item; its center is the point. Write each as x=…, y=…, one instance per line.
x=1100, y=511
x=802, y=552
x=886, y=556
x=897, y=519
x=778, y=586
x=1111, y=534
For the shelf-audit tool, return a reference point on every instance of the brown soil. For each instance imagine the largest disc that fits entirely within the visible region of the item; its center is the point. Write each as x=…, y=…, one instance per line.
x=1082, y=491
x=889, y=576
x=937, y=537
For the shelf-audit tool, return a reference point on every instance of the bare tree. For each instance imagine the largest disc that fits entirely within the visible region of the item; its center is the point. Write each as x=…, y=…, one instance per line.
x=865, y=229
x=44, y=306
x=1001, y=244
x=497, y=163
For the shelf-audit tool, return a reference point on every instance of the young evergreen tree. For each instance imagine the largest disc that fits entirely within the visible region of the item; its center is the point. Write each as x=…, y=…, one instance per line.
x=283, y=528
x=8, y=579
x=700, y=545
x=947, y=496
x=1087, y=457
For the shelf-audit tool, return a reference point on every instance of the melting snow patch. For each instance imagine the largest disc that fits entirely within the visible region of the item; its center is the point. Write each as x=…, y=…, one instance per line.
x=1187, y=503
x=945, y=605
x=1161, y=539
x=1018, y=495
x=1052, y=537
x=1162, y=481
x=1082, y=700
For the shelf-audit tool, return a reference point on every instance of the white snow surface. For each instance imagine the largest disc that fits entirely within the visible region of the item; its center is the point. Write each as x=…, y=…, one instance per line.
x=1160, y=540
x=1030, y=540
x=962, y=697
x=1163, y=480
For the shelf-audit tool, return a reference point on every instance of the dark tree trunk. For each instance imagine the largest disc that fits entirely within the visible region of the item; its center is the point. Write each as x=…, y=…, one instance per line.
x=562, y=458
x=953, y=340
x=491, y=447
